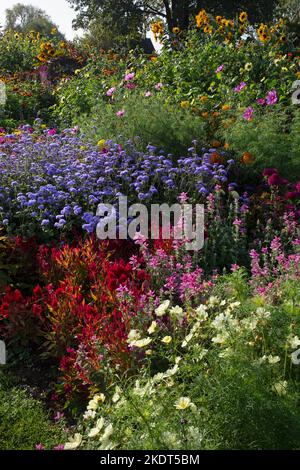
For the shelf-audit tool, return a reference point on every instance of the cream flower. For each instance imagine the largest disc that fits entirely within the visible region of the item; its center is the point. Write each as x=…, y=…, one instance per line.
x=96, y=430
x=280, y=387
x=167, y=339
x=141, y=343
x=162, y=309
x=183, y=403
x=74, y=442
x=152, y=328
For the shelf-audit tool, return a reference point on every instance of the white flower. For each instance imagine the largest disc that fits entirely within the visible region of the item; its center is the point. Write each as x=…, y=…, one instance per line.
x=141, y=343
x=133, y=335
x=213, y=301
x=273, y=359
x=293, y=342
x=89, y=414
x=201, y=312
x=96, y=430
x=117, y=395
x=107, y=433
x=177, y=312
x=280, y=387
x=183, y=403
x=152, y=327
x=161, y=310
x=93, y=404
x=172, y=371
x=220, y=338
x=74, y=442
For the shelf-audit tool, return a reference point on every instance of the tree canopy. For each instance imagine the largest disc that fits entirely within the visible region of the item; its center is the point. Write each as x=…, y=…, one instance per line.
x=173, y=12
x=25, y=18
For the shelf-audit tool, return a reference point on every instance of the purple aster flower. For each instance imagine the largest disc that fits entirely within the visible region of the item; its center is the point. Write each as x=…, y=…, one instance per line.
x=220, y=68
x=271, y=98
x=240, y=87
x=248, y=113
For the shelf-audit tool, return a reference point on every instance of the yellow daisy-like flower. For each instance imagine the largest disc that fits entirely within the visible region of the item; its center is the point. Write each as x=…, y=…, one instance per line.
x=249, y=66
x=203, y=98
x=184, y=104
x=242, y=30
x=243, y=17
x=219, y=19
x=282, y=38
x=176, y=30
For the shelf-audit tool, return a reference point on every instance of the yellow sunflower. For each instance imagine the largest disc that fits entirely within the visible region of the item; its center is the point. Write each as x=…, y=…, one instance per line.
x=243, y=17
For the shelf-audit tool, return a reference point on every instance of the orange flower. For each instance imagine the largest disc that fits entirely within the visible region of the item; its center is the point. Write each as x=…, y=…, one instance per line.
x=216, y=143
x=226, y=145
x=226, y=107
x=204, y=115
x=248, y=158
x=216, y=158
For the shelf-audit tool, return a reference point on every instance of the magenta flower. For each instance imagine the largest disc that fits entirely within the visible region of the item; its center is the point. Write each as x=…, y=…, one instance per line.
x=276, y=180
x=129, y=76
x=120, y=113
x=39, y=447
x=248, y=113
x=52, y=132
x=130, y=86
x=261, y=101
x=183, y=197
x=59, y=447
x=269, y=171
x=111, y=91
x=240, y=87
x=271, y=98
x=220, y=68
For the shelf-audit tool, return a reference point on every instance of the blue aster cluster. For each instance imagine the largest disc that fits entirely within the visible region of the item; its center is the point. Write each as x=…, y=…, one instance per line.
x=55, y=182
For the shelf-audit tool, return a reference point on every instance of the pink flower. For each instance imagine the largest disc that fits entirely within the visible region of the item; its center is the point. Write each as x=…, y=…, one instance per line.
x=298, y=186
x=120, y=113
x=148, y=94
x=269, y=171
x=240, y=87
x=59, y=447
x=292, y=195
x=248, y=113
x=183, y=197
x=276, y=180
x=52, y=132
x=158, y=86
x=129, y=76
x=111, y=91
x=130, y=86
x=220, y=68
x=261, y=101
x=271, y=98
x=39, y=447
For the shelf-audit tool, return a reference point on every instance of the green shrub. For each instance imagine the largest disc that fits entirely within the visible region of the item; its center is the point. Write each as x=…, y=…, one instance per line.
x=23, y=420
x=146, y=121
x=272, y=137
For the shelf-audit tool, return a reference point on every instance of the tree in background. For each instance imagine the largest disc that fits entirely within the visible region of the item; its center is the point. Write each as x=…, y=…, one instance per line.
x=119, y=14
x=25, y=18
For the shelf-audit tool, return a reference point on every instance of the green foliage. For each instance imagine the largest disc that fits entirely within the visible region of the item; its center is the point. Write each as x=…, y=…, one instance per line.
x=23, y=420
x=272, y=137
x=146, y=121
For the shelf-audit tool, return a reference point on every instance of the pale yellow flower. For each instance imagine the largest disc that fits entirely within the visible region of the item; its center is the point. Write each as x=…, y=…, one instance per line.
x=167, y=340
x=183, y=403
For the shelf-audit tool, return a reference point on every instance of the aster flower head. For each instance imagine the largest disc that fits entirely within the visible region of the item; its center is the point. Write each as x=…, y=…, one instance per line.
x=248, y=114
x=271, y=98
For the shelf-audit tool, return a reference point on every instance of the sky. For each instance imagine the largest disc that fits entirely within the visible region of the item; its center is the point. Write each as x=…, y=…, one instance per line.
x=59, y=11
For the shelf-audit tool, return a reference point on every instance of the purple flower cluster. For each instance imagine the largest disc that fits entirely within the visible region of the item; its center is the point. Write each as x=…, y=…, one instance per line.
x=56, y=182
